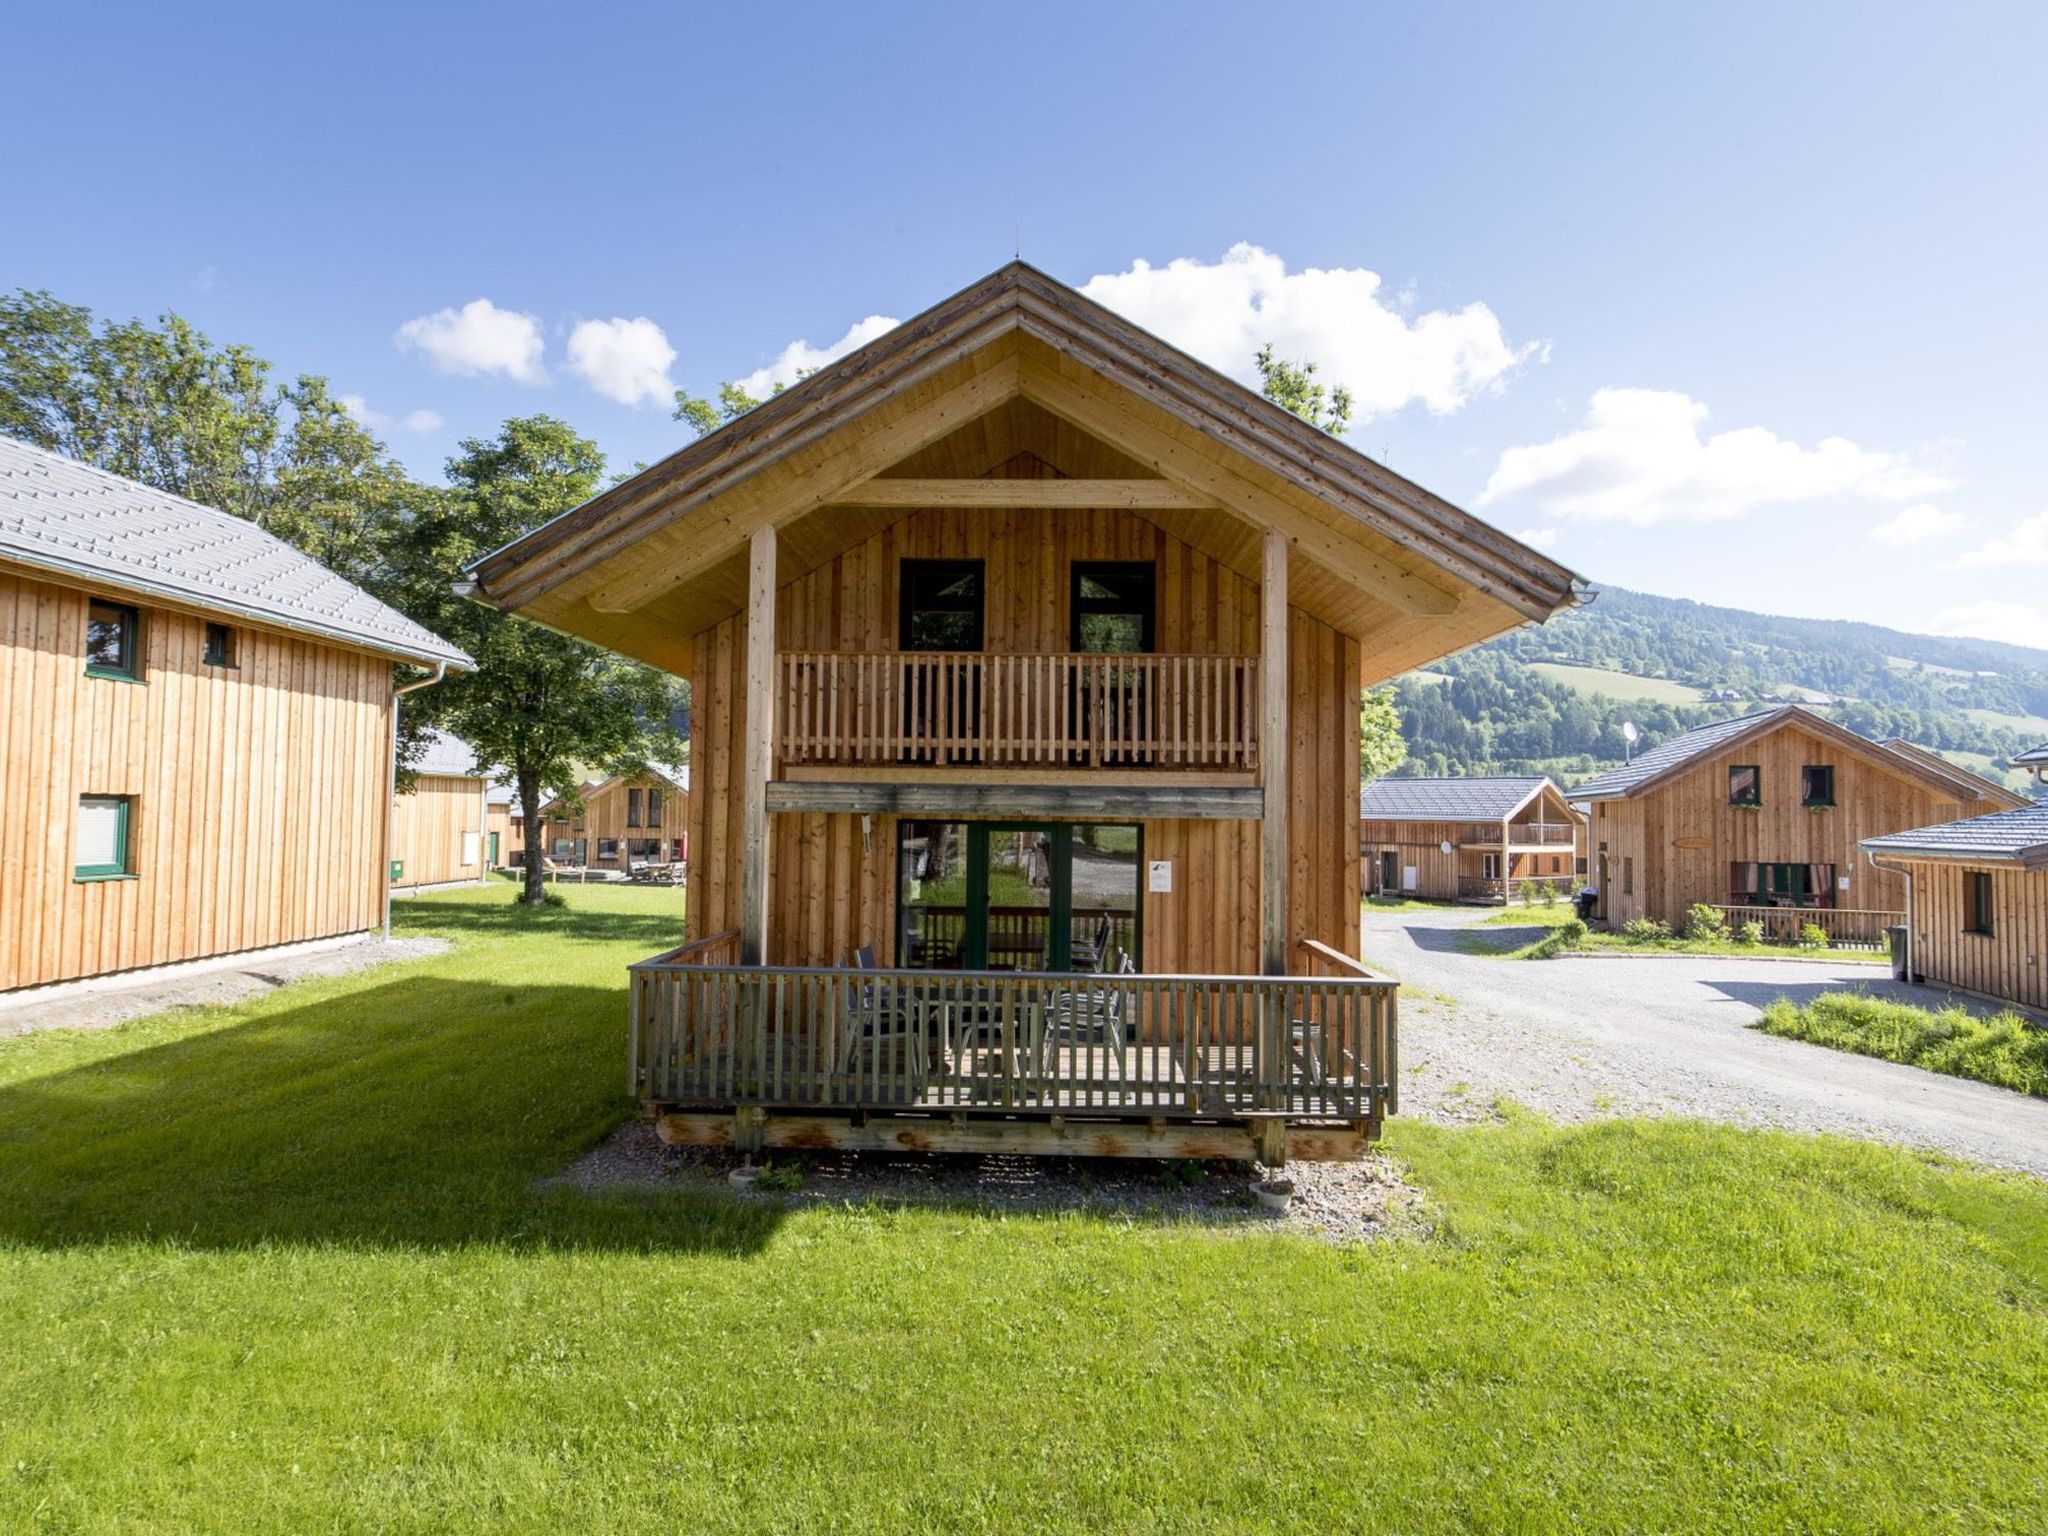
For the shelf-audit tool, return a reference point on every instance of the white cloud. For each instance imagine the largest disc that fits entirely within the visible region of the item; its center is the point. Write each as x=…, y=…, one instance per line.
x=800, y=357
x=624, y=360
x=1336, y=318
x=1641, y=458
x=1539, y=538
x=1917, y=524
x=478, y=338
x=2025, y=544
x=377, y=421
x=2014, y=623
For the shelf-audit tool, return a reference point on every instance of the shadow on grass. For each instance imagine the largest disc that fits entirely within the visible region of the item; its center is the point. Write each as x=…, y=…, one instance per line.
x=501, y=918
x=419, y=1112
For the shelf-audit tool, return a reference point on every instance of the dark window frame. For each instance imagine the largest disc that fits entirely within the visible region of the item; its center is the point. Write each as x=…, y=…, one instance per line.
x=1755, y=797
x=1807, y=797
x=130, y=671
x=222, y=655
x=940, y=573
x=123, y=867
x=1144, y=572
x=654, y=803
x=633, y=797
x=1977, y=904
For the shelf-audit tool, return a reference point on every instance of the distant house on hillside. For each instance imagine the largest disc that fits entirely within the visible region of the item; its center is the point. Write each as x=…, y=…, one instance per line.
x=195, y=730
x=1978, y=901
x=2035, y=760
x=1761, y=816
x=624, y=820
x=1467, y=839
x=440, y=832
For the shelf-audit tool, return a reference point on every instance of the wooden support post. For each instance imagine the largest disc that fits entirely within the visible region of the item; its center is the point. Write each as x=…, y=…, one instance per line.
x=759, y=757
x=1273, y=740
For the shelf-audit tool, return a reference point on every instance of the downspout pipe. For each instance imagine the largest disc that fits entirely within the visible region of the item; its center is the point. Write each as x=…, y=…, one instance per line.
x=1877, y=862
x=391, y=785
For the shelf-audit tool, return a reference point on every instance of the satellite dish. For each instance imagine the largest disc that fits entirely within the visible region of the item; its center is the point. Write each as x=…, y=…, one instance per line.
x=1448, y=846
x=1629, y=737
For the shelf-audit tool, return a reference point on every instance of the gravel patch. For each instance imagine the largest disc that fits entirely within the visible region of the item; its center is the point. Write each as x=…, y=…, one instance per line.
x=1669, y=1035
x=108, y=1001
x=1333, y=1202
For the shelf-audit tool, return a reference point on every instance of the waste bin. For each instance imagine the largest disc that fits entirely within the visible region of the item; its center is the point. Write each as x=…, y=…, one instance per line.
x=1895, y=935
x=1585, y=902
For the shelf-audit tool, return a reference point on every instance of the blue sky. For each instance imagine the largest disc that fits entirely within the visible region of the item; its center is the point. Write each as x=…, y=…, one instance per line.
x=1745, y=305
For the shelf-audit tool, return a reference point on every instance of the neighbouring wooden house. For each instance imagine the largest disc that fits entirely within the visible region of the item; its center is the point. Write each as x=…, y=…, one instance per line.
x=504, y=826
x=623, y=822
x=440, y=828
x=1467, y=839
x=195, y=730
x=1762, y=816
x=1025, y=654
x=1977, y=902
x=2035, y=761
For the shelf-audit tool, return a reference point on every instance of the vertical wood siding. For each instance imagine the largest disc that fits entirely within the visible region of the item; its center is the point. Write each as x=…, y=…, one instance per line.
x=2012, y=961
x=1693, y=808
x=832, y=888
x=260, y=792
x=427, y=827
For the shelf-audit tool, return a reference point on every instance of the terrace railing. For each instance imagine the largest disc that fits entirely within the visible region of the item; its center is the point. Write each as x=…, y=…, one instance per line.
x=715, y=1034
x=944, y=708
x=1542, y=834
x=1846, y=927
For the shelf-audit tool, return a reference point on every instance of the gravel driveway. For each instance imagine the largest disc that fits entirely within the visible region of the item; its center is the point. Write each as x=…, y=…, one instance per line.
x=1579, y=1038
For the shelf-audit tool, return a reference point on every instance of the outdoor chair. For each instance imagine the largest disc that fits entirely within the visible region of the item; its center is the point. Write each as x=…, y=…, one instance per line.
x=876, y=1023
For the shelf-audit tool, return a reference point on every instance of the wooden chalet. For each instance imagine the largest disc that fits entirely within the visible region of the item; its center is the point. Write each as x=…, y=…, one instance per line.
x=1762, y=817
x=1025, y=655
x=196, y=729
x=440, y=827
x=1468, y=839
x=626, y=822
x=1976, y=902
x=2035, y=761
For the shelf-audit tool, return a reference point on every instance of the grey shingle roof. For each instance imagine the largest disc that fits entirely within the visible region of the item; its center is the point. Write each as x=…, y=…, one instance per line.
x=2033, y=755
x=2004, y=836
x=1469, y=799
x=446, y=757
x=1700, y=741
x=74, y=520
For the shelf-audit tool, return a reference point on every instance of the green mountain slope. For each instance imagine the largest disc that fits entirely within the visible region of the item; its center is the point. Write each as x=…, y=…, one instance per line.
x=1553, y=699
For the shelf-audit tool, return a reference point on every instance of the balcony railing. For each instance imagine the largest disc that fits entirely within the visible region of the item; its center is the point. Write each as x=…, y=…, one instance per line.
x=796, y=1038
x=1075, y=710
x=1846, y=927
x=1544, y=834
x=1520, y=888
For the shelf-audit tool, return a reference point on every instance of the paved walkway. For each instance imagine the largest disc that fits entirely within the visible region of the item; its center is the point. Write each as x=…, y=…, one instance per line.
x=1578, y=1038
x=112, y=1000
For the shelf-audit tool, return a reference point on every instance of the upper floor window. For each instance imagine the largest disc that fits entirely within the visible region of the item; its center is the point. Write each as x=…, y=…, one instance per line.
x=632, y=807
x=941, y=605
x=1817, y=784
x=1111, y=605
x=654, y=808
x=1745, y=785
x=1977, y=902
x=220, y=646
x=113, y=641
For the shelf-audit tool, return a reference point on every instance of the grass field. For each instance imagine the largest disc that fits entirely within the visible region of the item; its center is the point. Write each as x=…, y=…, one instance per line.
x=289, y=1266
x=2004, y=1050
x=1598, y=681
x=2032, y=728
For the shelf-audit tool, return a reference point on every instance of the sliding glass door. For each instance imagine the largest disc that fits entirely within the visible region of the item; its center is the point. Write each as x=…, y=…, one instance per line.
x=1018, y=896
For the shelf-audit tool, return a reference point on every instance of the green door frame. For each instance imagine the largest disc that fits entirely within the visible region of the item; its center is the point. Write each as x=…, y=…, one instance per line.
x=1060, y=906
x=492, y=855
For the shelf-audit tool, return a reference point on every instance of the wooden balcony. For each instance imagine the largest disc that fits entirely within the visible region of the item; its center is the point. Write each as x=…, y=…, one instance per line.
x=1156, y=1065
x=1542, y=834
x=1143, y=712
x=1846, y=927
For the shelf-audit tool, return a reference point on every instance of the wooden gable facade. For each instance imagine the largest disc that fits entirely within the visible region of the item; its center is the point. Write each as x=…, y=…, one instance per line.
x=1767, y=825
x=1020, y=585
x=1539, y=842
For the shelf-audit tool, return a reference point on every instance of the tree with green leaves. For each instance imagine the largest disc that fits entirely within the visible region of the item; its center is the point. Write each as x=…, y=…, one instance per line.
x=704, y=416
x=539, y=702
x=1381, y=746
x=1293, y=387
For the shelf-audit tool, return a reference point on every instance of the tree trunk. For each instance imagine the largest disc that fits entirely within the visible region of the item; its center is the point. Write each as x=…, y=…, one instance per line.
x=533, y=892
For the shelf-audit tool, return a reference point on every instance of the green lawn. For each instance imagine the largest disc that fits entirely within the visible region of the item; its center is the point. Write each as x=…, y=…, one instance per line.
x=1601, y=683
x=1532, y=929
x=2004, y=1049
x=286, y=1267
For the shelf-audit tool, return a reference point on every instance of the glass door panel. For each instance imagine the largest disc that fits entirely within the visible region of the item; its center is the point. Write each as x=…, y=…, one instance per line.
x=1104, y=867
x=1019, y=865
x=931, y=905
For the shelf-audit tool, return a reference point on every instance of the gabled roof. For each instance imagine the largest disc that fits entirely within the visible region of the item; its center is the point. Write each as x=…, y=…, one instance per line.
x=99, y=529
x=2008, y=837
x=650, y=562
x=1450, y=799
x=446, y=757
x=1668, y=759
x=2032, y=756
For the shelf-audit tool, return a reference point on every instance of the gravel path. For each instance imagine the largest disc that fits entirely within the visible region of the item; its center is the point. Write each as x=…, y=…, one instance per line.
x=1580, y=1038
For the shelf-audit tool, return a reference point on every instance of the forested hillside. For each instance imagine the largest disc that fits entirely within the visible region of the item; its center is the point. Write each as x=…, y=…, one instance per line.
x=1553, y=699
